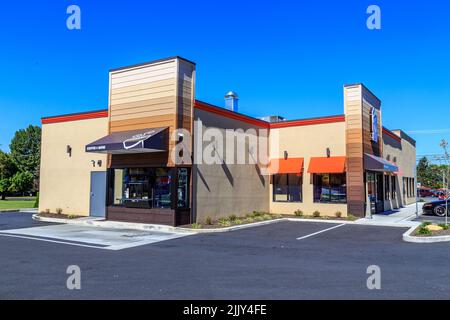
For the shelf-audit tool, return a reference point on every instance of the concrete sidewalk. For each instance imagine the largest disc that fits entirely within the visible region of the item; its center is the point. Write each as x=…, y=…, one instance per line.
x=397, y=218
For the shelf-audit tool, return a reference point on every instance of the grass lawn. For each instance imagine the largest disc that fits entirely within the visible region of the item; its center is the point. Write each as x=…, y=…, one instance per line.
x=17, y=203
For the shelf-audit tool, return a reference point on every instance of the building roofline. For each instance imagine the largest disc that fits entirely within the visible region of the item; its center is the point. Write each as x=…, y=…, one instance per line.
x=150, y=62
x=364, y=86
x=103, y=113
x=308, y=121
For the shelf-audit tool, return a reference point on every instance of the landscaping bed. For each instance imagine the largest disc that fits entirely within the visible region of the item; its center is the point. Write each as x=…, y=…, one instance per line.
x=428, y=229
x=234, y=220
x=58, y=215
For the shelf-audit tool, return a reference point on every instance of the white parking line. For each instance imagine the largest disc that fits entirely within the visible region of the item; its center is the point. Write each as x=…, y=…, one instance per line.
x=53, y=241
x=321, y=231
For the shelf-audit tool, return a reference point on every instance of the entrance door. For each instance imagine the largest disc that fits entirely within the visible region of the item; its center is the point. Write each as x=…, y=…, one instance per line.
x=375, y=191
x=98, y=194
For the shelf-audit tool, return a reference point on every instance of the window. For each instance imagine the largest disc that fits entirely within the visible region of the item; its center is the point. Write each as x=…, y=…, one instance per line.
x=141, y=187
x=393, y=188
x=387, y=188
x=405, y=183
x=183, y=188
x=330, y=188
x=287, y=188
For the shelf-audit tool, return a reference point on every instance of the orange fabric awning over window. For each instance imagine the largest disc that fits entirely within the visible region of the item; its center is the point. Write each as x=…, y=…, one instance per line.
x=327, y=165
x=290, y=165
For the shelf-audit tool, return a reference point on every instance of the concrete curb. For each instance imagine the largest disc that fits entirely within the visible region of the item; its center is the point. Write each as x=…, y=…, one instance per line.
x=409, y=238
x=100, y=222
x=18, y=210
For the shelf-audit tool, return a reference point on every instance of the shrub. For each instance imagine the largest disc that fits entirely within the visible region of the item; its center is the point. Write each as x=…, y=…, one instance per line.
x=249, y=220
x=352, y=217
x=237, y=221
x=259, y=218
x=47, y=211
x=444, y=226
x=36, y=203
x=232, y=217
x=423, y=229
x=59, y=211
x=267, y=217
x=338, y=214
x=298, y=213
x=196, y=226
x=316, y=214
x=72, y=216
x=224, y=222
x=208, y=221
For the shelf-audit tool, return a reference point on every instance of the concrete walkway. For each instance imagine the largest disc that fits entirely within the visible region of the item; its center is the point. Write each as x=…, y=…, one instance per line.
x=398, y=218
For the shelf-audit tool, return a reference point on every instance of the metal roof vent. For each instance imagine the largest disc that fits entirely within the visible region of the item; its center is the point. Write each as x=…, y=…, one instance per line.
x=231, y=101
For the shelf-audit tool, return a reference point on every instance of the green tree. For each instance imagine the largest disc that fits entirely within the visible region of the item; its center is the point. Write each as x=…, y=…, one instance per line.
x=7, y=171
x=26, y=151
x=21, y=182
x=422, y=170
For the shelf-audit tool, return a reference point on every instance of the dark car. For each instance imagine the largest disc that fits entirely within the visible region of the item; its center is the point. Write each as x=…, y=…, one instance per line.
x=436, y=208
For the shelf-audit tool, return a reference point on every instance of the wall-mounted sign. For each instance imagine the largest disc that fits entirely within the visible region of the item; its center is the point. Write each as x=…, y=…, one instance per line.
x=374, y=125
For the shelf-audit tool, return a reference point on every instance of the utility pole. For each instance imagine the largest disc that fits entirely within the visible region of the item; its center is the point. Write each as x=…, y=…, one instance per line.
x=444, y=145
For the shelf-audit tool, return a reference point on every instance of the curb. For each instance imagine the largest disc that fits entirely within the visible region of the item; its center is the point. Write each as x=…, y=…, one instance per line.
x=409, y=238
x=18, y=210
x=161, y=228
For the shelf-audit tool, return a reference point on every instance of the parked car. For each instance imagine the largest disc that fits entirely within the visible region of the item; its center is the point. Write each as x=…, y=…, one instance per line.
x=425, y=193
x=436, y=208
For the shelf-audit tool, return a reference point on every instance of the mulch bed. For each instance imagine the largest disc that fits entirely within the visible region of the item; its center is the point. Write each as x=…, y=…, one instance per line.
x=433, y=233
x=58, y=216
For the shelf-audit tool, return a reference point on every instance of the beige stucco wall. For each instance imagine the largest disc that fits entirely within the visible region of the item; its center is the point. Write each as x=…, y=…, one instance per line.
x=64, y=180
x=221, y=190
x=404, y=153
x=306, y=142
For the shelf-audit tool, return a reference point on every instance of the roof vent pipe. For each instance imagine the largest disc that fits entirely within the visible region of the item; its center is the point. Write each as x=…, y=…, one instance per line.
x=231, y=101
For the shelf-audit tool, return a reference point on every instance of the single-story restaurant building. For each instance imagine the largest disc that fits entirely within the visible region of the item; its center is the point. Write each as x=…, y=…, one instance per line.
x=142, y=159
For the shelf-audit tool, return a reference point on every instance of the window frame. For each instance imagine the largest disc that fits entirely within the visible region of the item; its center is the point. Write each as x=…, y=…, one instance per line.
x=288, y=185
x=329, y=187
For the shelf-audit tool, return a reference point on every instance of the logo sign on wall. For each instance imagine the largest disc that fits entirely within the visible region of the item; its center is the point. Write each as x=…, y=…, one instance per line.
x=374, y=125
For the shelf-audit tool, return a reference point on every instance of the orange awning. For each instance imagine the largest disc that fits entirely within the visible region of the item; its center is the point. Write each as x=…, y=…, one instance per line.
x=327, y=165
x=290, y=165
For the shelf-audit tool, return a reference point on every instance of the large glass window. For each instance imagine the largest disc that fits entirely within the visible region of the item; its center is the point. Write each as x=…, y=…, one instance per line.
x=141, y=187
x=287, y=188
x=330, y=188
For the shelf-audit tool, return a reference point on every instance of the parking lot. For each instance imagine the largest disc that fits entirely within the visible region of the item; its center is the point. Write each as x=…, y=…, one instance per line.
x=286, y=260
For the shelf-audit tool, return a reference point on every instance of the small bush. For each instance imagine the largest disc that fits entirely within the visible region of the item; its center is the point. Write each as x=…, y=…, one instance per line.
x=444, y=226
x=352, y=217
x=71, y=216
x=259, y=218
x=249, y=220
x=59, y=211
x=36, y=203
x=423, y=230
x=316, y=214
x=267, y=217
x=196, y=226
x=298, y=213
x=237, y=221
x=338, y=214
x=224, y=222
x=208, y=221
x=232, y=217
x=47, y=211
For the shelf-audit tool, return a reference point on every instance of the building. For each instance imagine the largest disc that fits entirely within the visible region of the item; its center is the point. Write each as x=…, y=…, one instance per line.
x=158, y=155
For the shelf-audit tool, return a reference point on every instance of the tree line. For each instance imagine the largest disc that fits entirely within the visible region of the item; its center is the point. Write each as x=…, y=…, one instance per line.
x=431, y=175
x=19, y=169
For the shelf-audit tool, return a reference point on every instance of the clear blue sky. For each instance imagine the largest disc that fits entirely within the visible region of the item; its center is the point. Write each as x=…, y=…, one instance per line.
x=282, y=57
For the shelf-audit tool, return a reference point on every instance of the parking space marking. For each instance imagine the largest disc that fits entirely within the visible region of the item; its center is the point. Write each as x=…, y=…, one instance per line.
x=92, y=237
x=321, y=231
x=53, y=241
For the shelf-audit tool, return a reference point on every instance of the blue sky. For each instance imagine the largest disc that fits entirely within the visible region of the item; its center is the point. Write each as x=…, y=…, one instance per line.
x=283, y=57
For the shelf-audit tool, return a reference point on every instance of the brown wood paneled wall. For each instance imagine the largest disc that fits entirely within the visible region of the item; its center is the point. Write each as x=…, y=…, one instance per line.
x=358, y=103
x=354, y=146
x=157, y=94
